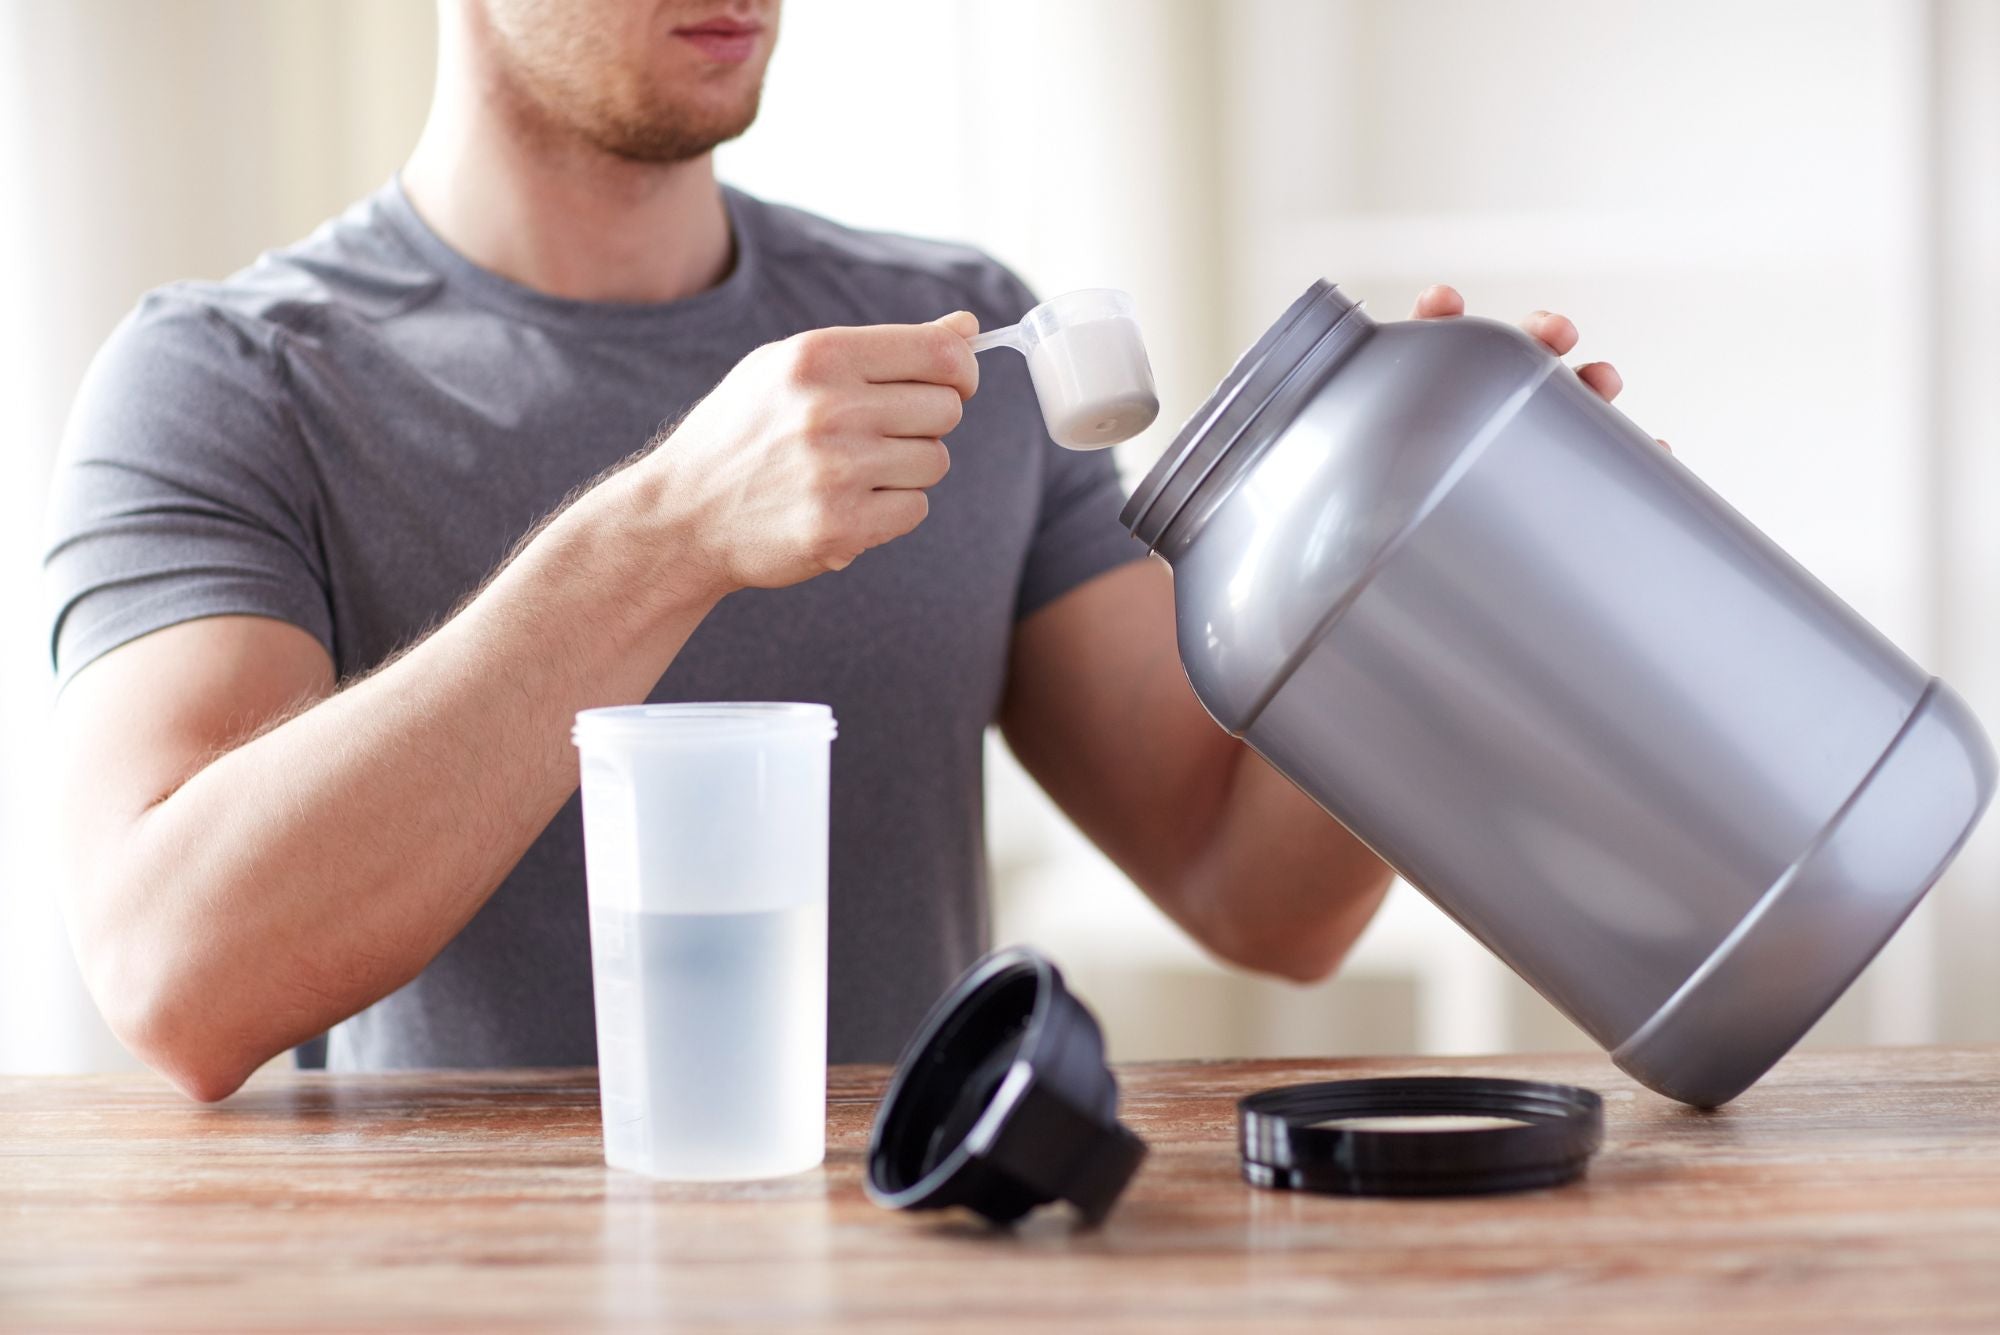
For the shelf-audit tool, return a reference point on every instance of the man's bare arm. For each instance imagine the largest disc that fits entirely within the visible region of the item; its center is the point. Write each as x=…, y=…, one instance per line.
x=229, y=905
x=1099, y=710
x=253, y=855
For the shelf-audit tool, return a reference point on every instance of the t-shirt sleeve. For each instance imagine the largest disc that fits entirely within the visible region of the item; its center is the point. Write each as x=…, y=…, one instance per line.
x=182, y=489
x=1077, y=534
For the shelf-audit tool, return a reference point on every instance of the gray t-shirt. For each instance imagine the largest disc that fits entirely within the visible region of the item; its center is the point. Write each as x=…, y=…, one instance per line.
x=350, y=435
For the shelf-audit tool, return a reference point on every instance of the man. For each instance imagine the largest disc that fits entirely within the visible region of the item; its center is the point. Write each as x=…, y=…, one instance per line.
x=316, y=715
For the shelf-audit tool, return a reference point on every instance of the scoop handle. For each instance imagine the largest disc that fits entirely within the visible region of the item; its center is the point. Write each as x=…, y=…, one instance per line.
x=1006, y=337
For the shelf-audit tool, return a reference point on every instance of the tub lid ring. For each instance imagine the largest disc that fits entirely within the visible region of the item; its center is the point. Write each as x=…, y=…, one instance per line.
x=1257, y=378
x=1292, y=1137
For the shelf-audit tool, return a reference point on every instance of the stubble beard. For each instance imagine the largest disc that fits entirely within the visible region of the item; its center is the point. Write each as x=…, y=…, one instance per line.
x=666, y=134
x=564, y=100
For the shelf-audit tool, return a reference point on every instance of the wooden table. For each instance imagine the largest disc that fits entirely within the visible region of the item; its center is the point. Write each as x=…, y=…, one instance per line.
x=1849, y=1190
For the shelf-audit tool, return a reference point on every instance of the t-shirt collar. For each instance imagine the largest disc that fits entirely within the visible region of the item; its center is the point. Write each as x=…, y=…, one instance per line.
x=609, y=318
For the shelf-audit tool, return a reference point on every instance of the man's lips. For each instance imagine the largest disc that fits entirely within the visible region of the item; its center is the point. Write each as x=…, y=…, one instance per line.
x=728, y=40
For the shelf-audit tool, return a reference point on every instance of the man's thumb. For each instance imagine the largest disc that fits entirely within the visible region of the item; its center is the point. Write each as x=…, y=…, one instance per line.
x=963, y=323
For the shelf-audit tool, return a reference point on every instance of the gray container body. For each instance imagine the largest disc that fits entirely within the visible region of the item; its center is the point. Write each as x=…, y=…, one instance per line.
x=1558, y=684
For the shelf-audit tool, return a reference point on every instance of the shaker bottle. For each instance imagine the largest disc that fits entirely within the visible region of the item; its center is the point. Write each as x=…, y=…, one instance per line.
x=1557, y=683
x=705, y=844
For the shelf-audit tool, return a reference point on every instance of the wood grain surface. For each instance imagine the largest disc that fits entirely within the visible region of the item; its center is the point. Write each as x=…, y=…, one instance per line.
x=1850, y=1190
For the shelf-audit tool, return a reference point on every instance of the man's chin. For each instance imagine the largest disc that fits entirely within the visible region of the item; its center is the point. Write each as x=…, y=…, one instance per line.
x=679, y=136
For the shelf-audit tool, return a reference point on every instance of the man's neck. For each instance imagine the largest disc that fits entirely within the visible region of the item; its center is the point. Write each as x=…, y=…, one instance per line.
x=564, y=217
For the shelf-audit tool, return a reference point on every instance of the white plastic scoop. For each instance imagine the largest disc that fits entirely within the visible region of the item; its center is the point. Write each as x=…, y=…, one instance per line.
x=1088, y=364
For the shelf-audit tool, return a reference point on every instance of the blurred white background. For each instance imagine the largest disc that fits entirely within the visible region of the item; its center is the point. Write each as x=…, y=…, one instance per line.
x=1781, y=220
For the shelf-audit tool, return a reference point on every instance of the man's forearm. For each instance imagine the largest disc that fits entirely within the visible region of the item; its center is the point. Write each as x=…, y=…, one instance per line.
x=319, y=866
x=1101, y=712
x=1279, y=884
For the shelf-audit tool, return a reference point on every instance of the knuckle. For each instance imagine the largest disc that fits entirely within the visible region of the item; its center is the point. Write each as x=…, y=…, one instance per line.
x=947, y=352
x=838, y=550
x=940, y=463
x=833, y=549
x=820, y=418
x=826, y=478
x=811, y=355
x=910, y=510
x=823, y=535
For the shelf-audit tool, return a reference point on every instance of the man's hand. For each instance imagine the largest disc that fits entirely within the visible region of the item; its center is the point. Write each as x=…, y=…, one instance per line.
x=1099, y=710
x=1557, y=332
x=813, y=450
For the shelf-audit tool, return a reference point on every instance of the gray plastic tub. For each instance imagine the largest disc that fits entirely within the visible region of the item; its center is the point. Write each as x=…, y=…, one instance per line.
x=1557, y=683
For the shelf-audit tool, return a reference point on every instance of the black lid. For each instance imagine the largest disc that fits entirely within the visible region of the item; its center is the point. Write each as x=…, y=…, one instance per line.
x=1003, y=1102
x=1297, y=349
x=1287, y=1144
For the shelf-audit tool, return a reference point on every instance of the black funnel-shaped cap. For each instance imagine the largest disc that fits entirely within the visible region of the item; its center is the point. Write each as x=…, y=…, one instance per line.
x=1003, y=1102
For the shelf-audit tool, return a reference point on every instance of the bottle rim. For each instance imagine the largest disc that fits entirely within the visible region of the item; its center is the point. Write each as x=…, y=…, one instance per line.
x=1238, y=404
x=714, y=720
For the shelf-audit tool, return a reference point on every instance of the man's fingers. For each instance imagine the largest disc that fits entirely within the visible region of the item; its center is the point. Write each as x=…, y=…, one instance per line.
x=900, y=464
x=1602, y=377
x=1437, y=301
x=891, y=514
x=1554, y=330
x=907, y=409
x=886, y=354
x=963, y=323
x=931, y=354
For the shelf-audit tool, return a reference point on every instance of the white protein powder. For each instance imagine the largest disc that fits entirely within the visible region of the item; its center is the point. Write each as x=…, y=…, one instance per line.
x=1094, y=383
